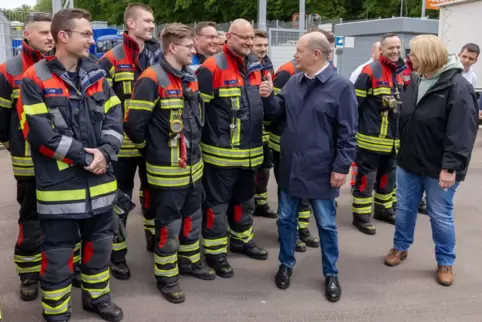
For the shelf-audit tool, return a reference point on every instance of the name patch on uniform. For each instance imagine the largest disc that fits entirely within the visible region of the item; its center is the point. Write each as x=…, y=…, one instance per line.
x=382, y=83
x=52, y=91
x=124, y=66
x=18, y=81
x=173, y=92
x=231, y=82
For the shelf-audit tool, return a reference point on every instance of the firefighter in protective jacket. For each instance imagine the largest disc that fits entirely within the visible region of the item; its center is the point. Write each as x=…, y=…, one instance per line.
x=232, y=147
x=378, y=89
x=37, y=42
x=69, y=115
x=164, y=120
x=123, y=65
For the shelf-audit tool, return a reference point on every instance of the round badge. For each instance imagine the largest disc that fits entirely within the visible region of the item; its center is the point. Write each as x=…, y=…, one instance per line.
x=176, y=126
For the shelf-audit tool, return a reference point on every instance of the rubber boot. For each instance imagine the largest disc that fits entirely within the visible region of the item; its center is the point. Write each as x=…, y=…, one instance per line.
x=265, y=211
x=363, y=224
x=220, y=265
x=107, y=311
x=28, y=289
x=300, y=246
x=309, y=240
x=198, y=269
x=249, y=249
x=172, y=292
x=120, y=270
x=384, y=214
x=150, y=241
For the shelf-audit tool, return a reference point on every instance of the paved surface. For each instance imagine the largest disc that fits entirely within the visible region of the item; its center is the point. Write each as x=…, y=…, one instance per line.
x=371, y=291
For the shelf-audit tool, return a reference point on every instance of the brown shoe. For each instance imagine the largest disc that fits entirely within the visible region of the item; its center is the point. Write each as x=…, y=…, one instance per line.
x=445, y=276
x=394, y=257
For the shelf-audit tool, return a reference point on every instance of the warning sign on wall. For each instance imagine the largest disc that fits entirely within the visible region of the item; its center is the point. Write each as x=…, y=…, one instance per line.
x=432, y=4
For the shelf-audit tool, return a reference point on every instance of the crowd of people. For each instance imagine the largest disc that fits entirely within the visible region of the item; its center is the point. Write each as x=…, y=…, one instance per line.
x=202, y=117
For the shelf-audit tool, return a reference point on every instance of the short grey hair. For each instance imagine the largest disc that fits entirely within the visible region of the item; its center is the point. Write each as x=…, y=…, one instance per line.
x=37, y=17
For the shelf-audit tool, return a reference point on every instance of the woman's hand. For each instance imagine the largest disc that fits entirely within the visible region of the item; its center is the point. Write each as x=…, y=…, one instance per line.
x=446, y=179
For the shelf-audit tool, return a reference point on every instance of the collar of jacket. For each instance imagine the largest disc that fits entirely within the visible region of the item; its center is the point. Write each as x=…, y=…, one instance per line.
x=246, y=64
x=324, y=75
x=131, y=47
x=396, y=67
x=186, y=74
x=266, y=62
x=202, y=58
x=30, y=55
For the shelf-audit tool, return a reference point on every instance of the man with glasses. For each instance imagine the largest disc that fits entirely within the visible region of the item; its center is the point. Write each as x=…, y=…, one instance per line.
x=123, y=65
x=205, y=42
x=221, y=41
x=232, y=147
x=70, y=116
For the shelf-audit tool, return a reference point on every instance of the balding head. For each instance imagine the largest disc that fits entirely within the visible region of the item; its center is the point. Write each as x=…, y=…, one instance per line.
x=375, y=51
x=240, y=37
x=312, y=52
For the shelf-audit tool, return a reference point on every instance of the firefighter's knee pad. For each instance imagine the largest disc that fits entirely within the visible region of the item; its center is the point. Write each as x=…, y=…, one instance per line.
x=96, y=253
x=168, y=240
x=243, y=212
x=57, y=265
x=191, y=228
x=215, y=220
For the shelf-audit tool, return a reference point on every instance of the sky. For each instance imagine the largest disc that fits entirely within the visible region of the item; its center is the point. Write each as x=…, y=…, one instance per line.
x=11, y=4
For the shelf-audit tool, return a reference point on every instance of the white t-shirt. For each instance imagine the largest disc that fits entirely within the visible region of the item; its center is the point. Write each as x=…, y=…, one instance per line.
x=358, y=70
x=470, y=76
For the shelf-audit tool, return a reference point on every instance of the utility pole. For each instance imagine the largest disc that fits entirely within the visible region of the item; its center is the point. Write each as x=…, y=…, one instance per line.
x=401, y=8
x=424, y=4
x=57, y=5
x=302, y=17
x=262, y=14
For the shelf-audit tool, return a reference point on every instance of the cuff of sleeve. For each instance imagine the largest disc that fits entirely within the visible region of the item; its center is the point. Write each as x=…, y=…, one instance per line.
x=88, y=158
x=108, y=152
x=340, y=169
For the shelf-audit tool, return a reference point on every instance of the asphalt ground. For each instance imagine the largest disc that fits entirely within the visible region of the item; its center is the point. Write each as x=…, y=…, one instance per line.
x=371, y=290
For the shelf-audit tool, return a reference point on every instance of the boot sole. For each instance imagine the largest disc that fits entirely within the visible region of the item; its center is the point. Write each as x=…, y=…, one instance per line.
x=444, y=283
x=174, y=301
x=388, y=221
x=241, y=251
x=301, y=250
x=120, y=277
x=282, y=287
x=395, y=264
x=91, y=310
x=365, y=231
x=28, y=298
x=201, y=277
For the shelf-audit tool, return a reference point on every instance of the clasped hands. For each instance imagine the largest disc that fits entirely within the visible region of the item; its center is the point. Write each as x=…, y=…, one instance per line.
x=99, y=164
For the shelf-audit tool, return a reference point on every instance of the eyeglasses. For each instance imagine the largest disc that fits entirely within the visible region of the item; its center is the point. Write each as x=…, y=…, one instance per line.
x=212, y=37
x=190, y=47
x=245, y=38
x=85, y=34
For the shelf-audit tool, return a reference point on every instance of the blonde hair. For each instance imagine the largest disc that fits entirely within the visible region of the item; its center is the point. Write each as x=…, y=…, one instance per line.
x=174, y=32
x=430, y=52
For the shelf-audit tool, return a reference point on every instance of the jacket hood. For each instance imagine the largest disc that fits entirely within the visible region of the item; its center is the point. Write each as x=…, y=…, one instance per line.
x=453, y=63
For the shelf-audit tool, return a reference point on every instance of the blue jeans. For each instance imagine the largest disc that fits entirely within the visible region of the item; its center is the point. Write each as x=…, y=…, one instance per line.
x=440, y=203
x=325, y=213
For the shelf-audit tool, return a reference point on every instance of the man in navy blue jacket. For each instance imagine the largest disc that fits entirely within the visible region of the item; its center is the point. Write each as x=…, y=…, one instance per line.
x=317, y=148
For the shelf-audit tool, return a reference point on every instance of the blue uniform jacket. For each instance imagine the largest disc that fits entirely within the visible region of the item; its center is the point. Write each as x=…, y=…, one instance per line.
x=321, y=123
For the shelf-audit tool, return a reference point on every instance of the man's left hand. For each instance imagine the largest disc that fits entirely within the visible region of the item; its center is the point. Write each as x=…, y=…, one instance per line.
x=99, y=165
x=337, y=179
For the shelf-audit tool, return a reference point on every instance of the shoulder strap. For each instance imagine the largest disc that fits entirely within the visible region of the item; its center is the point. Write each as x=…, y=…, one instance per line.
x=42, y=70
x=14, y=66
x=221, y=60
x=118, y=52
x=162, y=77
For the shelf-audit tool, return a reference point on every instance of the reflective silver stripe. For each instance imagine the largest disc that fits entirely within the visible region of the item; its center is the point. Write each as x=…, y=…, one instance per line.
x=58, y=119
x=59, y=209
x=118, y=136
x=104, y=201
x=63, y=147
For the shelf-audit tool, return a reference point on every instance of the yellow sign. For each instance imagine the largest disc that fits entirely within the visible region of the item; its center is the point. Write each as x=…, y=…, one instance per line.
x=432, y=4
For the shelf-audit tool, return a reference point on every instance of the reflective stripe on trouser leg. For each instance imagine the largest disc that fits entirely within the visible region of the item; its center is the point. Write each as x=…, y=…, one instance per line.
x=119, y=245
x=166, y=269
x=261, y=196
x=189, y=238
x=27, y=256
x=394, y=195
x=362, y=195
x=95, y=270
x=215, y=230
x=241, y=222
x=56, y=283
x=304, y=214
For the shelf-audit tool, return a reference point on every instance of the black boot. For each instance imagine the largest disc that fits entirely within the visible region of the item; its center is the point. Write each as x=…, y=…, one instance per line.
x=363, y=224
x=422, y=207
x=220, y=265
x=77, y=279
x=384, y=214
x=300, y=246
x=249, y=249
x=332, y=288
x=120, y=270
x=198, y=270
x=28, y=289
x=107, y=311
x=309, y=240
x=150, y=241
x=283, y=277
x=172, y=292
x=265, y=211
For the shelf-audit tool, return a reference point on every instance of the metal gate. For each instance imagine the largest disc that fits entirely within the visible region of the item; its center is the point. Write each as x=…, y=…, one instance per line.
x=282, y=45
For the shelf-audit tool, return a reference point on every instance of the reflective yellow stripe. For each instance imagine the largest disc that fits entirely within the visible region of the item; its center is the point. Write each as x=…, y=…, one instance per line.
x=206, y=98
x=96, y=293
x=164, y=260
x=382, y=91
x=39, y=108
x=245, y=236
x=360, y=93
x=27, y=259
x=116, y=247
x=170, y=103
x=384, y=125
x=124, y=76
x=57, y=294
x=375, y=143
x=276, y=90
x=140, y=105
x=15, y=94
x=358, y=200
x=231, y=153
x=5, y=103
x=109, y=80
x=215, y=242
x=96, y=278
x=112, y=101
x=22, y=161
x=383, y=196
x=189, y=248
x=274, y=142
x=103, y=189
x=25, y=270
x=166, y=272
x=229, y=91
x=236, y=133
x=61, y=195
x=361, y=211
x=175, y=176
x=127, y=87
x=54, y=310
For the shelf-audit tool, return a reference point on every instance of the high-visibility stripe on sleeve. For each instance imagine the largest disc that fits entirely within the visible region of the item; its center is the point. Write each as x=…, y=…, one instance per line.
x=141, y=105
x=112, y=101
x=35, y=109
x=5, y=103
